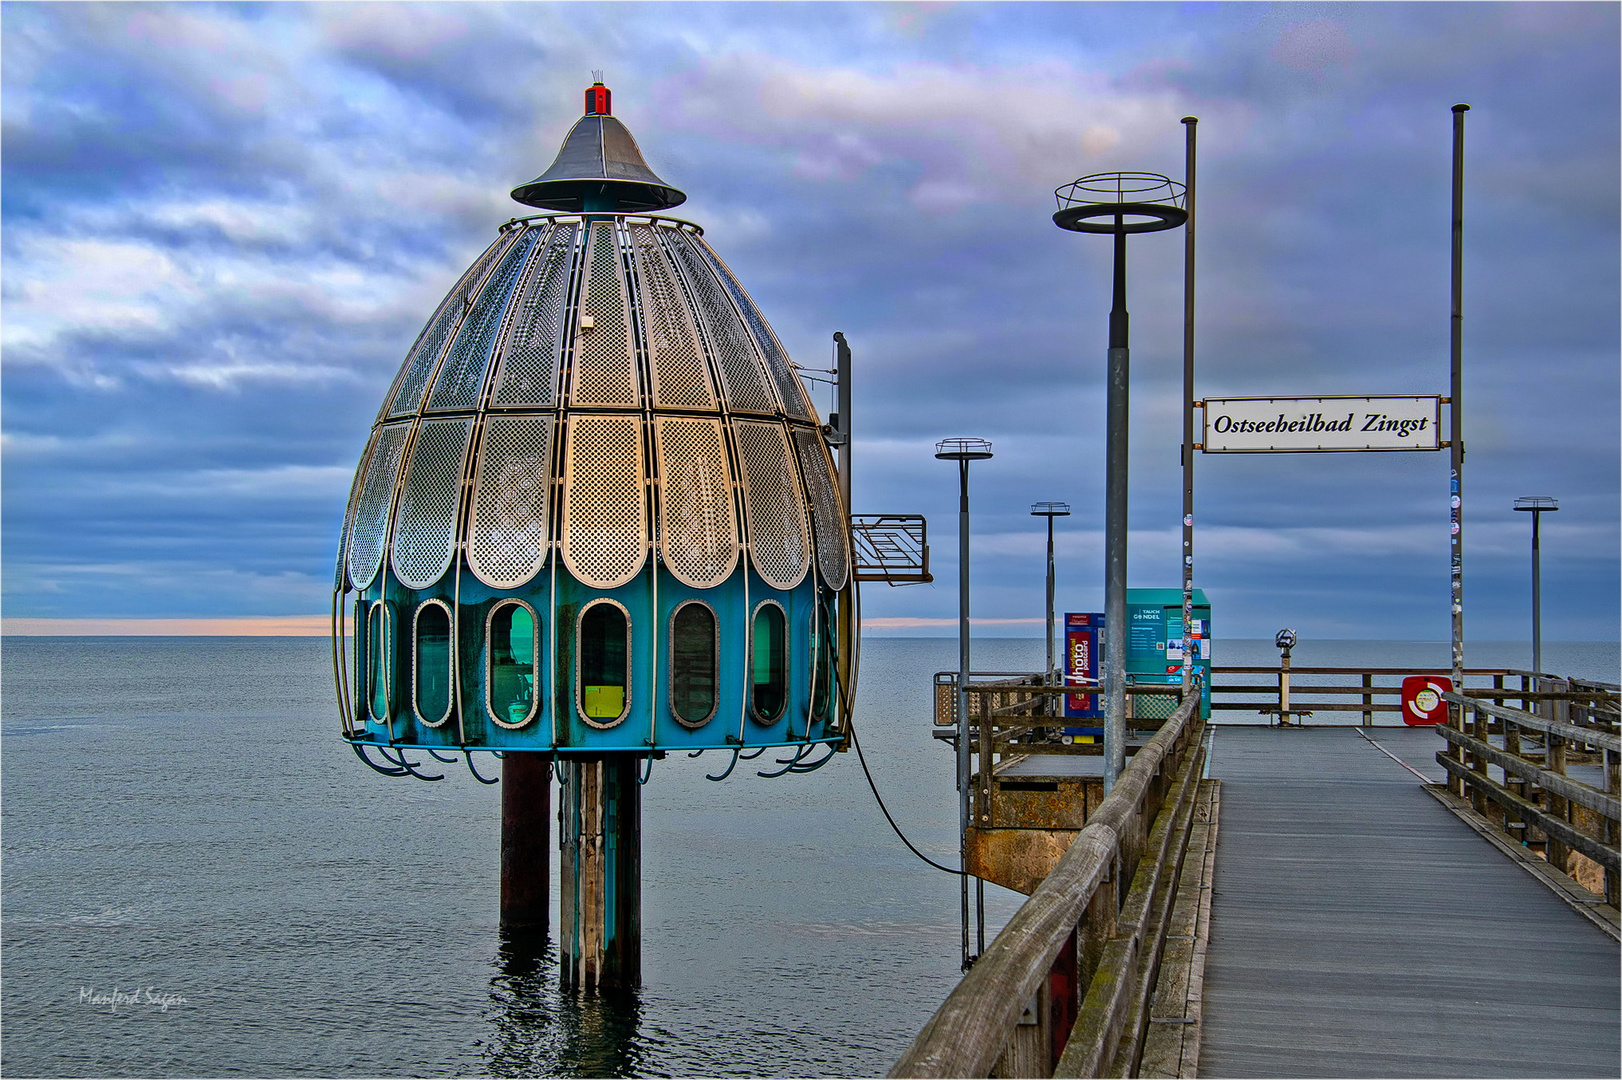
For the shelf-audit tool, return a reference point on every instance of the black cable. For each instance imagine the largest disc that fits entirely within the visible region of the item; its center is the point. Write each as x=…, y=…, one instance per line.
x=858, y=744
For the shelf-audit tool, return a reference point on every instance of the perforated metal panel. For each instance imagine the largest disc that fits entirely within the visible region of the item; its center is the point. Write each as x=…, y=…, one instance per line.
x=460, y=382
x=527, y=374
x=507, y=540
x=602, y=372
x=604, y=518
x=827, y=512
x=349, y=510
x=366, y=534
x=425, y=523
x=779, y=539
x=419, y=366
x=790, y=391
x=746, y=388
x=681, y=378
x=697, y=534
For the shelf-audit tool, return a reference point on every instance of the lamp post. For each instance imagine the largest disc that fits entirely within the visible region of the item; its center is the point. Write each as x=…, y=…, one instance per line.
x=963, y=451
x=1537, y=505
x=1050, y=510
x=1118, y=203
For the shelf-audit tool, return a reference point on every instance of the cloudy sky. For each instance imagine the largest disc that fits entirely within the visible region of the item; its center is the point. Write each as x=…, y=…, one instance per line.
x=225, y=224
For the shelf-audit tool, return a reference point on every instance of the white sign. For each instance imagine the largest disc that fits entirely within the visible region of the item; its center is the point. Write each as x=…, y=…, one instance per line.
x=1260, y=425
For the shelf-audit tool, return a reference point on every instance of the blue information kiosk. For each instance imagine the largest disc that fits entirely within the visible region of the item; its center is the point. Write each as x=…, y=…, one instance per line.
x=1154, y=655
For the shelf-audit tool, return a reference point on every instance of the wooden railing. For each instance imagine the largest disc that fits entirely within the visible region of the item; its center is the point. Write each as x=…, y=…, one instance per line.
x=1537, y=803
x=1361, y=692
x=1078, y=961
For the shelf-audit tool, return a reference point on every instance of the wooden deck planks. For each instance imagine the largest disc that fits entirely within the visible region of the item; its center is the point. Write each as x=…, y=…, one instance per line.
x=1359, y=929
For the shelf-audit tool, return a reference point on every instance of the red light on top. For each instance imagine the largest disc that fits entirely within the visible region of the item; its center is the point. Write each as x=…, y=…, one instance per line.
x=599, y=100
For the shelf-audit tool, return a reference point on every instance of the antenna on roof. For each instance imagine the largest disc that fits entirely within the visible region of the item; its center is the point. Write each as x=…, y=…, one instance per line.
x=597, y=75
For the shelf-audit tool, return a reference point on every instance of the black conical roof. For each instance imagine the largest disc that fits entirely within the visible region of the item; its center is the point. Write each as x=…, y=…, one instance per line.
x=599, y=156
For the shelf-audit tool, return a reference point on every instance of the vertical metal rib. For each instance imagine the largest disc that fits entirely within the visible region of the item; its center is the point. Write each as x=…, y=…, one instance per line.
x=527, y=373
x=460, y=381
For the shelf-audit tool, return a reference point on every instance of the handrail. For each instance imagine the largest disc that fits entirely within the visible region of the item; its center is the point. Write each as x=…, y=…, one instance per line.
x=1593, y=737
x=973, y=1026
x=1537, y=803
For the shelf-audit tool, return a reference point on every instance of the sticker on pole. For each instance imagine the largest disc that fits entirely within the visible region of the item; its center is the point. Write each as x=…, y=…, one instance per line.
x=1422, y=699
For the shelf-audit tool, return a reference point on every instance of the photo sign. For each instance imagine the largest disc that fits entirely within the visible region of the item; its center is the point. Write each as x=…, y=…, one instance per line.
x=1297, y=424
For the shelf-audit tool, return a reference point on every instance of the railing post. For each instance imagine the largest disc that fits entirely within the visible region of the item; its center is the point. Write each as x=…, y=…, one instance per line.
x=1559, y=854
x=1368, y=700
x=1455, y=782
x=1478, y=764
x=1612, y=894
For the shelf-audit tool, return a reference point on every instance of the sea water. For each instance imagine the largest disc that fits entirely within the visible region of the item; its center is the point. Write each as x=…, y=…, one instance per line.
x=201, y=880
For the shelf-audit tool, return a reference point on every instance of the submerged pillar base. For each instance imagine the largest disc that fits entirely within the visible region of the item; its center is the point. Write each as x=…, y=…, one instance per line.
x=526, y=834
x=600, y=871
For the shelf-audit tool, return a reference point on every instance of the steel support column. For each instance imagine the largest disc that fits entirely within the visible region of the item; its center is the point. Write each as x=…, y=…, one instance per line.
x=601, y=872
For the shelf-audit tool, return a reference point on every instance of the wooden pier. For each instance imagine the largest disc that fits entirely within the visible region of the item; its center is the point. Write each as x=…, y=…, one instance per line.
x=1321, y=905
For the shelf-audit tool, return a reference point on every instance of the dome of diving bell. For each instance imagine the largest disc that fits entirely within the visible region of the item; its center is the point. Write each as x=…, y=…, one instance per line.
x=596, y=511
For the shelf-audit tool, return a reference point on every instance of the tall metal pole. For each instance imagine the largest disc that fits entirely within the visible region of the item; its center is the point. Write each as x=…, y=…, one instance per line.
x=1050, y=510
x=1456, y=391
x=1047, y=672
x=1115, y=479
x=1189, y=658
x=842, y=374
x=1537, y=601
x=963, y=451
x=963, y=692
x=847, y=629
x=1538, y=505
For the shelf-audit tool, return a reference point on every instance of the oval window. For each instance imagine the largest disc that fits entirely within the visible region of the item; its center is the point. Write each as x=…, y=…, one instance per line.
x=602, y=672
x=431, y=664
x=510, y=647
x=693, y=674
x=377, y=662
x=768, y=663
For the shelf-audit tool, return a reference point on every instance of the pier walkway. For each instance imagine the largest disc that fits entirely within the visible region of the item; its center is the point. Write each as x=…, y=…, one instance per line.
x=1361, y=929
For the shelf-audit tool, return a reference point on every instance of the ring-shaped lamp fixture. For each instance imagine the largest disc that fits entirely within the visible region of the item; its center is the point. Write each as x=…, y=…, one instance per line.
x=1100, y=203
x=970, y=449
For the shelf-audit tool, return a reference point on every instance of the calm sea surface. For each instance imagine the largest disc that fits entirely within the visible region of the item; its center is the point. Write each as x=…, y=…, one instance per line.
x=182, y=825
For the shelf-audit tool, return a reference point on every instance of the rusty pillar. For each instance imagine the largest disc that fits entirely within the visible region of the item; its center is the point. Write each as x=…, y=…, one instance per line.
x=526, y=812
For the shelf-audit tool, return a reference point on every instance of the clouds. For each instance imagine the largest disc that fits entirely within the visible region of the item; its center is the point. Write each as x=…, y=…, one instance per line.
x=224, y=226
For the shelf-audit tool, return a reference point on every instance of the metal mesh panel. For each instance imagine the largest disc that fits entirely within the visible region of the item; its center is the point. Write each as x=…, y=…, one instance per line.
x=602, y=370
x=425, y=523
x=461, y=377
x=528, y=371
x=349, y=510
x=827, y=514
x=508, y=538
x=372, y=512
x=413, y=378
x=604, y=520
x=697, y=533
x=680, y=377
x=745, y=378
x=778, y=540
x=789, y=388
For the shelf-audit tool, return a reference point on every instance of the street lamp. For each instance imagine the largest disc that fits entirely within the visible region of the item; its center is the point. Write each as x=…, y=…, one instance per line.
x=1118, y=203
x=963, y=451
x=1050, y=510
x=1537, y=505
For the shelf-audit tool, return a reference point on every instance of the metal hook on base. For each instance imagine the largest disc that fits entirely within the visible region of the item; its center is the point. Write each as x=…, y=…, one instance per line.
x=374, y=766
x=733, y=764
x=468, y=757
x=788, y=766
